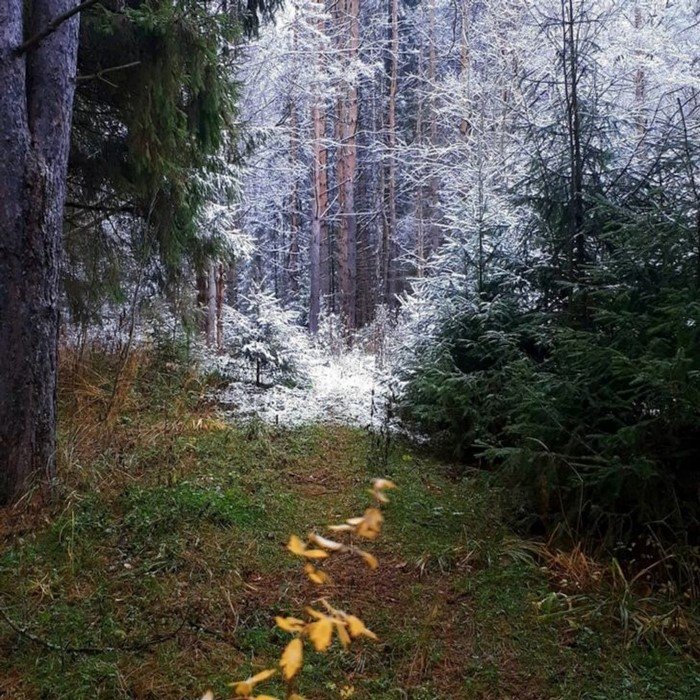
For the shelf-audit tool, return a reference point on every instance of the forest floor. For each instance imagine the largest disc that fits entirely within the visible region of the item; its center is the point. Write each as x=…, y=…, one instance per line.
x=159, y=567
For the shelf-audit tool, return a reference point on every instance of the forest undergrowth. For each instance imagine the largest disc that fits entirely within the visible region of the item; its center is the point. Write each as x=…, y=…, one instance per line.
x=157, y=566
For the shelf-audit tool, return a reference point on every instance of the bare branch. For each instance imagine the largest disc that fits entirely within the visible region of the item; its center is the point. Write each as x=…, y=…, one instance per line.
x=31, y=43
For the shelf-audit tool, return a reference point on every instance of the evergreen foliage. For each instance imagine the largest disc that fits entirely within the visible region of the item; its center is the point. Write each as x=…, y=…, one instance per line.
x=596, y=418
x=568, y=358
x=266, y=337
x=155, y=99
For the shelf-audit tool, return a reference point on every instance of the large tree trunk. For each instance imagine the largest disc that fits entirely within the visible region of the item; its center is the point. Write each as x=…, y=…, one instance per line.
x=220, y=294
x=231, y=290
x=292, y=267
x=390, y=223
x=427, y=233
x=318, y=215
x=349, y=33
x=36, y=104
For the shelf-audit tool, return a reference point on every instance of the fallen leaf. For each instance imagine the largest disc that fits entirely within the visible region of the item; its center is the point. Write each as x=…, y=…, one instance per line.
x=245, y=688
x=290, y=624
x=321, y=633
x=371, y=524
x=316, y=575
x=380, y=484
x=357, y=627
x=343, y=635
x=292, y=659
x=369, y=559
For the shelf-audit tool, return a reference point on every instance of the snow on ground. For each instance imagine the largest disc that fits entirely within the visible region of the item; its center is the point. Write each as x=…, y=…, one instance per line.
x=345, y=389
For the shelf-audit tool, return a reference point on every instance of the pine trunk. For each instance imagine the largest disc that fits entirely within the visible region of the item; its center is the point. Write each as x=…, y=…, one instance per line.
x=348, y=12
x=295, y=207
x=318, y=214
x=389, y=230
x=319, y=230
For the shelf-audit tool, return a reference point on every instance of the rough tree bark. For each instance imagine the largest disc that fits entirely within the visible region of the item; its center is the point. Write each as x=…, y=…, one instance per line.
x=432, y=233
x=36, y=104
x=348, y=14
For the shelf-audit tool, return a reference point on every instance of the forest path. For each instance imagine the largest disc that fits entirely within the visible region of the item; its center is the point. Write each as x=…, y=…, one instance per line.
x=169, y=537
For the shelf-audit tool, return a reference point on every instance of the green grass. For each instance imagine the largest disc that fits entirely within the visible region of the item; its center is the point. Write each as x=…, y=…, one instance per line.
x=169, y=537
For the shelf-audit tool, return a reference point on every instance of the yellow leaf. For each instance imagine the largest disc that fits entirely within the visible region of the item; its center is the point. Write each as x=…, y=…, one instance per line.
x=370, y=559
x=316, y=575
x=245, y=688
x=295, y=696
x=296, y=546
x=290, y=624
x=264, y=697
x=371, y=524
x=315, y=554
x=357, y=627
x=262, y=676
x=208, y=695
x=342, y=634
x=321, y=633
x=292, y=659
x=325, y=542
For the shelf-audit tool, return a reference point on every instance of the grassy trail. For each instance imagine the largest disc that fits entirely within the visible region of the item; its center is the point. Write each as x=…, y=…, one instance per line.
x=161, y=565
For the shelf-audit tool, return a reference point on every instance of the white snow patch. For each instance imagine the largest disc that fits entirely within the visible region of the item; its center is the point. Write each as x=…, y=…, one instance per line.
x=347, y=389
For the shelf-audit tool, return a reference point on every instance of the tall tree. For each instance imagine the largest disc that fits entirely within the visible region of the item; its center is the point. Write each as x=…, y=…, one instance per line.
x=348, y=29
x=390, y=219
x=142, y=139
x=38, y=79
x=319, y=207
